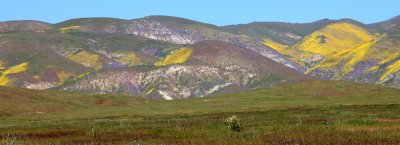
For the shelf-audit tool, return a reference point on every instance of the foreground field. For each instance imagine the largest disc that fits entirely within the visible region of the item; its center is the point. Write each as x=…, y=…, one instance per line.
x=318, y=112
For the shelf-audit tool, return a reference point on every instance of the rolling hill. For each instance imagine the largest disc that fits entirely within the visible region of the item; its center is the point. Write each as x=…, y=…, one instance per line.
x=144, y=54
x=384, y=26
x=51, y=58
x=327, y=41
x=375, y=61
x=334, y=38
x=345, y=50
x=281, y=32
x=196, y=70
x=169, y=57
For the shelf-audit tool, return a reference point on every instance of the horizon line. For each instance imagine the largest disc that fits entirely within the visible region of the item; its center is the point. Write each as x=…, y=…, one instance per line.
x=266, y=21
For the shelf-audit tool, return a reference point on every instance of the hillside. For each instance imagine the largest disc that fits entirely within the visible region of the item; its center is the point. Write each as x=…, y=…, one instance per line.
x=334, y=38
x=284, y=33
x=52, y=58
x=384, y=26
x=25, y=26
x=173, y=30
x=346, y=50
x=323, y=42
x=375, y=61
x=195, y=70
x=149, y=50
x=281, y=32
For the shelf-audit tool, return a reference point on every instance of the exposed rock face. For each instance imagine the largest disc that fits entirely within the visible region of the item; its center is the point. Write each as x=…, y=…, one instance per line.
x=314, y=59
x=40, y=85
x=172, y=82
x=157, y=31
x=393, y=80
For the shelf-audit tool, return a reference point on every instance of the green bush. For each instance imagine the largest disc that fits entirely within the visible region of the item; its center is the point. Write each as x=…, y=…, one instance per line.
x=233, y=123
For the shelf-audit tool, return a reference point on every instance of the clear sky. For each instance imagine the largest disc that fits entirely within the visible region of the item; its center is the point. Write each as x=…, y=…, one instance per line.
x=218, y=12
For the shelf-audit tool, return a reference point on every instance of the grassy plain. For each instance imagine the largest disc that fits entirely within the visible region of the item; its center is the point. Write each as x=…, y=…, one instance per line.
x=312, y=112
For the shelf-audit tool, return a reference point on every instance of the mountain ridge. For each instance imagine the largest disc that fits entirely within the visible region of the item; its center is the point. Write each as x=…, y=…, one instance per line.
x=161, y=56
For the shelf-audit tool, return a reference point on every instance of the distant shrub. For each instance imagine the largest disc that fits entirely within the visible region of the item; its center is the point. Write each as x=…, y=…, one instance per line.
x=233, y=123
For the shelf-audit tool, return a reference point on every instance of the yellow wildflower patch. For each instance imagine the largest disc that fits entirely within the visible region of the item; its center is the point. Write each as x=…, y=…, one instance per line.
x=69, y=29
x=63, y=75
x=335, y=38
x=395, y=67
x=16, y=69
x=176, y=57
x=87, y=59
x=4, y=80
x=275, y=45
x=368, y=51
x=352, y=57
x=150, y=91
x=81, y=76
x=295, y=55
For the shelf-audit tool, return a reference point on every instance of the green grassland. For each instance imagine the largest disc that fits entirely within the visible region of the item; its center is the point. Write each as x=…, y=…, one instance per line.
x=311, y=112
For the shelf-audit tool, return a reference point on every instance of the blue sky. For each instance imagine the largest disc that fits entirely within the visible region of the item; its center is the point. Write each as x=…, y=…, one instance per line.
x=218, y=12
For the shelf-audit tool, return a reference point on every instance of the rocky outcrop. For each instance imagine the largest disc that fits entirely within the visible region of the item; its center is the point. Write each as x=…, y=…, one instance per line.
x=172, y=82
x=40, y=85
x=393, y=80
x=157, y=31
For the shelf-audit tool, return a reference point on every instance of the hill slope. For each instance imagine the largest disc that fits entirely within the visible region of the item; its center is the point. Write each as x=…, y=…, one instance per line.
x=195, y=70
x=281, y=32
x=375, y=61
x=39, y=55
x=284, y=33
x=150, y=48
x=346, y=50
x=334, y=38
x=384, y=26
x=173, y=30
x=54, y=57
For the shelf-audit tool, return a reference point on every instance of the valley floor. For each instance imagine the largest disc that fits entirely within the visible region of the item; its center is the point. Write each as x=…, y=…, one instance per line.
x=322, y=113
x=365, y=124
